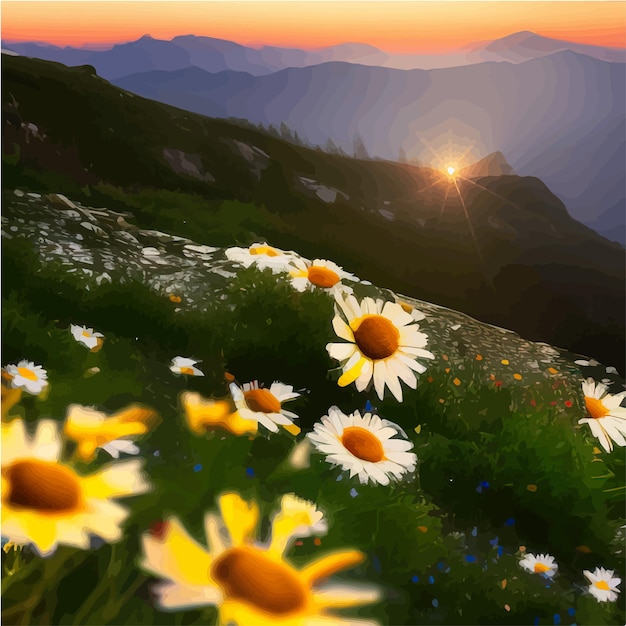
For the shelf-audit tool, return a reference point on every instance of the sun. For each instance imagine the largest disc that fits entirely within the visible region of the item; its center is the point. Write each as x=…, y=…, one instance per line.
x=450, y=170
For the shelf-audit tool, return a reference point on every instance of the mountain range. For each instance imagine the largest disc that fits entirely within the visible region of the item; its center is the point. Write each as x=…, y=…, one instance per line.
x=555, y=109
x=217, y=55
x=503, y=248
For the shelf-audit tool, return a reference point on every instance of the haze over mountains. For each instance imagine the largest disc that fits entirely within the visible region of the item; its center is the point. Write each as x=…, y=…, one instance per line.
x=555, y=109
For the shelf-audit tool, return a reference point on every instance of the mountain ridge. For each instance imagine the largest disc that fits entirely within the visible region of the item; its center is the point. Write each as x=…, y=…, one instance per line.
x=125, y=149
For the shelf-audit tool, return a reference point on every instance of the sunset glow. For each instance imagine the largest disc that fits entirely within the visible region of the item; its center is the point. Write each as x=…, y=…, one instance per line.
x=397, y=27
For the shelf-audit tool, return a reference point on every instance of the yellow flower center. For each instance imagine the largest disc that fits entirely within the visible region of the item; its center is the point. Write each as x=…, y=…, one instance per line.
x=42, y=486
x=377, y=337
x=262, y=401
x=363, y=444
x=595, y=407
x=540, y=568
x=322, y=276
x=187, y=370
x=602, y=584
x=247, y=575
x=267, y=250
x=24, y=372
x=86, y=333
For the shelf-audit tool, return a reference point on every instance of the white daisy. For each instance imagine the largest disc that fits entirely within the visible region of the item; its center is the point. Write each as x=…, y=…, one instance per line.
x=543, y=564
x=250, y=582
x=384, y=344
x=28, y=376
x=296, y=518
x=265, y=405
x=365, y=446
x=46, y=502
x=603, y=585
x=319, y=275
x=183, y=365
x=86, y=336
x=607, y=418
x=262, y=255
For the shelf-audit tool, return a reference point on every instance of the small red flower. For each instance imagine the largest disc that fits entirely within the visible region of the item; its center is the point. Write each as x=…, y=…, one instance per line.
x=498, y=383
x=553, y=403
x=568, y=403
x=533, y=403
x=159, y=528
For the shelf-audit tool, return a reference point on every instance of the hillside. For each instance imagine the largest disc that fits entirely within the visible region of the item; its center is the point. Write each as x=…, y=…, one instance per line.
x=559, y=117
x=504, y=469
x=67, y=130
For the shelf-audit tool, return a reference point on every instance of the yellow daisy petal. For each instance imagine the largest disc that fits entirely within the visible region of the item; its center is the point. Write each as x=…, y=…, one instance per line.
x=240, y=517
x=352, y=374
x=328, y=565
x=176, y=556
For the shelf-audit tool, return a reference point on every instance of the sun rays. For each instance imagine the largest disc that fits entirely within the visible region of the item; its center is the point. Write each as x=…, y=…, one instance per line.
x=446, y=172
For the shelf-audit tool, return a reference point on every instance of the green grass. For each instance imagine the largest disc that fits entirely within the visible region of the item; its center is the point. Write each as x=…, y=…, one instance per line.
x=438, y=525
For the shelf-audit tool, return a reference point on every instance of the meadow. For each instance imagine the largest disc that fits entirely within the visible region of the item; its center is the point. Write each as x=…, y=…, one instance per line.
x=226, y=494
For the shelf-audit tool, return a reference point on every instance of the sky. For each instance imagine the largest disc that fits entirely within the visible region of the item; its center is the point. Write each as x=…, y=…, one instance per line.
x=399, y=27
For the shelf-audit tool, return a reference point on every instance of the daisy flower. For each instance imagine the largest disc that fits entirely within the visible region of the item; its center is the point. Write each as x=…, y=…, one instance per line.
x=87, y=337
x=540, y=564
x=607, y=418
x=383, y=344
x=46, y=503
x=183, y=365
x=27, y=376
x=265, y=405
x=202, y=414
x=603, y=585
x=92, y=429
x=296, y=518
x=365, y=446
x=250, y=582
x=416, y=314
x=318, y=274
x=262, y=255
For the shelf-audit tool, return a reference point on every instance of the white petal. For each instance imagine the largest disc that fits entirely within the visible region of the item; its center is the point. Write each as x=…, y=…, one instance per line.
x=365, y=376
x=379, y=378
x=341, y=351
x=342, y=329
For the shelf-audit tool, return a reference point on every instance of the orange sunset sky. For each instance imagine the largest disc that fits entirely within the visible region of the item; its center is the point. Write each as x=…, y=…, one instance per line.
x=399, y=27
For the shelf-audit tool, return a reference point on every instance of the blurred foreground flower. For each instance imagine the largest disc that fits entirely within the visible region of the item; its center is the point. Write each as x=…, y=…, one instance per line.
x=251, y=584
x=319, y=274
x=363, y=445
x=46, y=503
x=603, y=585
x=27, y=376
x=265, y=405
x=202, y=414
x=92, y=429
x=607, y=418
x=87, y=337
x=10, y=396
x=183, y=365
x=540, y=564
x=384, y=344
x=261, y=255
